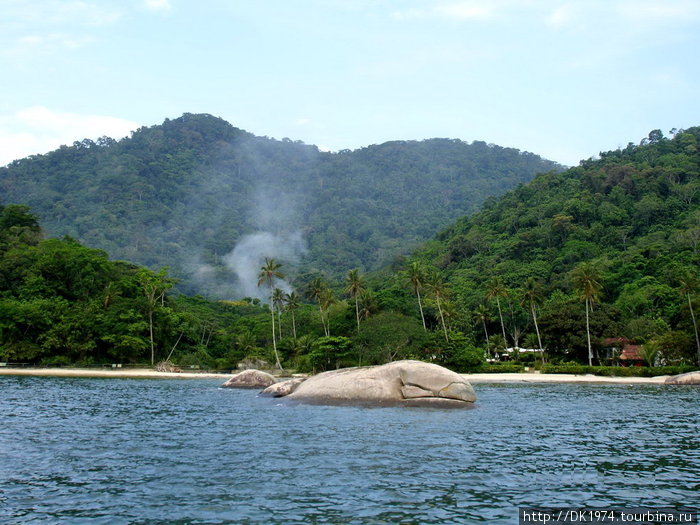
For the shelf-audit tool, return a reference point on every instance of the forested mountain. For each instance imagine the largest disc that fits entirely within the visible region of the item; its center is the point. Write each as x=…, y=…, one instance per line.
x=185, y=193
x=604, y=251
x=617, y=237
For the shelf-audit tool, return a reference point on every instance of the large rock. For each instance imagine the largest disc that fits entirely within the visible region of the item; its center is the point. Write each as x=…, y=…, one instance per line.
x=411, y=383
x=283, y=388
x=250, y=379
x=689, y=378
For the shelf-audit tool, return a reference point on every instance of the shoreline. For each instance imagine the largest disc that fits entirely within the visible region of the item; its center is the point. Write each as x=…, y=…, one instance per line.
x=526, y=377
x=136, y=373
x=145, y=373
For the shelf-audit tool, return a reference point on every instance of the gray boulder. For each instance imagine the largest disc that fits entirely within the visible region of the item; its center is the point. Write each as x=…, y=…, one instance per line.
x=411, y=383
x=250, y=379
x=283, y=388
x=689, y=378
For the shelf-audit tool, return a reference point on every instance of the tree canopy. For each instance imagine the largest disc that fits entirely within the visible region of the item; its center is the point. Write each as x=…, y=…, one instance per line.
x=182, y=194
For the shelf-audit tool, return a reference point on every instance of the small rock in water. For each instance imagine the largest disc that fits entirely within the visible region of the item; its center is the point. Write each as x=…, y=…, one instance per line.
x=250, y=379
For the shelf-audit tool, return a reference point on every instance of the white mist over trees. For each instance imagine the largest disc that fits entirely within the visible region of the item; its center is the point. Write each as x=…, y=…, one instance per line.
x=250, y=253
x=185, y=193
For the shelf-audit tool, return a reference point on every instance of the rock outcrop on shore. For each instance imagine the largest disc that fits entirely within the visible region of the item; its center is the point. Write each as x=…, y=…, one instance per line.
x=411, y=383
x=250, y=379
x=689, y=378
x=283, y=388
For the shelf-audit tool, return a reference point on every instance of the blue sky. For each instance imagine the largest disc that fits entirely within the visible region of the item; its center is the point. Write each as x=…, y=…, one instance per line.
x=563, y=79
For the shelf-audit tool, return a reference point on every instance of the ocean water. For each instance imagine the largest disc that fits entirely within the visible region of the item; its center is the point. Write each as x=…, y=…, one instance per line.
x=185, y=451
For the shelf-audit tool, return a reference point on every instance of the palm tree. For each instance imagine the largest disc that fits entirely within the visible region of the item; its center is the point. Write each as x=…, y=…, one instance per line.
x=495, y=290
x=355, y=287
x=437, y=287
x=689, y=285
x=315, y=291
x=325, y=302
x=268, y=273
x=278, y=301
x=292, y=303
x=532, y=296
x=246, y=342
x=482, y=314
x=154, y=286
x=587, y=282
x=368, y=305
x=416, y=277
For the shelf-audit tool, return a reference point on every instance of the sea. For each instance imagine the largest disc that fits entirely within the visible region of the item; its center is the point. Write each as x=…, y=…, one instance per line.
x=149, y=451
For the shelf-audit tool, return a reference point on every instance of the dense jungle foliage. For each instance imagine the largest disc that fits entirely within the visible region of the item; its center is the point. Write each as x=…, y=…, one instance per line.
x=605, y=250
x=62, y=303
x=183, y=193
x=618, y=237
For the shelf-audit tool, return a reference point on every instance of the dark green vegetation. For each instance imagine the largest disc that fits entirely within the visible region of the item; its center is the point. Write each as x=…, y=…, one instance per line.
x=63, y=303
x=608, y=249
x=183, y=193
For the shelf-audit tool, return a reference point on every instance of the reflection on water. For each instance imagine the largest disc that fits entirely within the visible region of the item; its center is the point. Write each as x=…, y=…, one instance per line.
x=147, y=451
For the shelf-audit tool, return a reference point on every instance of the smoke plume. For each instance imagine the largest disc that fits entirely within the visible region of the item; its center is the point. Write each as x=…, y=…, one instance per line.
x=248, y=257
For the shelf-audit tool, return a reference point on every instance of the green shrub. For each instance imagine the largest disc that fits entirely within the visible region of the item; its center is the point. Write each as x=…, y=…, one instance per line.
x=467, y=357
x=617, y=371
x=501, y=368
x=567, y=368
x=56, y=360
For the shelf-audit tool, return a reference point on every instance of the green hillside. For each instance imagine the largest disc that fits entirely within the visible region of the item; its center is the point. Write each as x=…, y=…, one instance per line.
x=609, y=248
x=629, y=221
x=183, y=194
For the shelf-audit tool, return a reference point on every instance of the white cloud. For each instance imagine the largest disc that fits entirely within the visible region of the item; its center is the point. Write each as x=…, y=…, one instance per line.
x=47, y=44
x=158, y=5
x=51, y=26
x=39, y=129
x=561, y=17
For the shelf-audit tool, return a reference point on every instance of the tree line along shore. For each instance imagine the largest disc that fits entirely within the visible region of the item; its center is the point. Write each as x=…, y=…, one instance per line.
x=579, y=264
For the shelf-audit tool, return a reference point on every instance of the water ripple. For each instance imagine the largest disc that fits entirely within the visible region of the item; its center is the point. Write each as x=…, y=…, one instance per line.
x=144, y=451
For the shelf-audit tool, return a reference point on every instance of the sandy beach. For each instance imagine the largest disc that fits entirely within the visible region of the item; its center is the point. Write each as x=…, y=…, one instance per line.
x=121, y=373
x=561, y=378
x=145, y=373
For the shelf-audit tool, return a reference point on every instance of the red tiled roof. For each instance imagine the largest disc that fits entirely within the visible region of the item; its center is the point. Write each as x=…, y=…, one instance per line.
x=613, y=341
x=631, y=353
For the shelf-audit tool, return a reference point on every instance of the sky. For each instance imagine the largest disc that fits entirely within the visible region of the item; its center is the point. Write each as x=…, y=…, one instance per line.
x=562, y=79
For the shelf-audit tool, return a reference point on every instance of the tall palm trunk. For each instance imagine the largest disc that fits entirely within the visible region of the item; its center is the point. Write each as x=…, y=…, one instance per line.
x=537, y=329
x=323, y=320
x=442, y=318
x=588, y=334
x=279, y=323
x=274, y=342
x=695, y=326
x=503, y=326
x=486, y=333
x=294, y=326
x=357, y=314
x=420, y=307
x=150, y=329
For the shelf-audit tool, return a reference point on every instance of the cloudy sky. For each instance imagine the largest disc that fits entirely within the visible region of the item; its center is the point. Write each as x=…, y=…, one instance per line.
x=563, y=79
